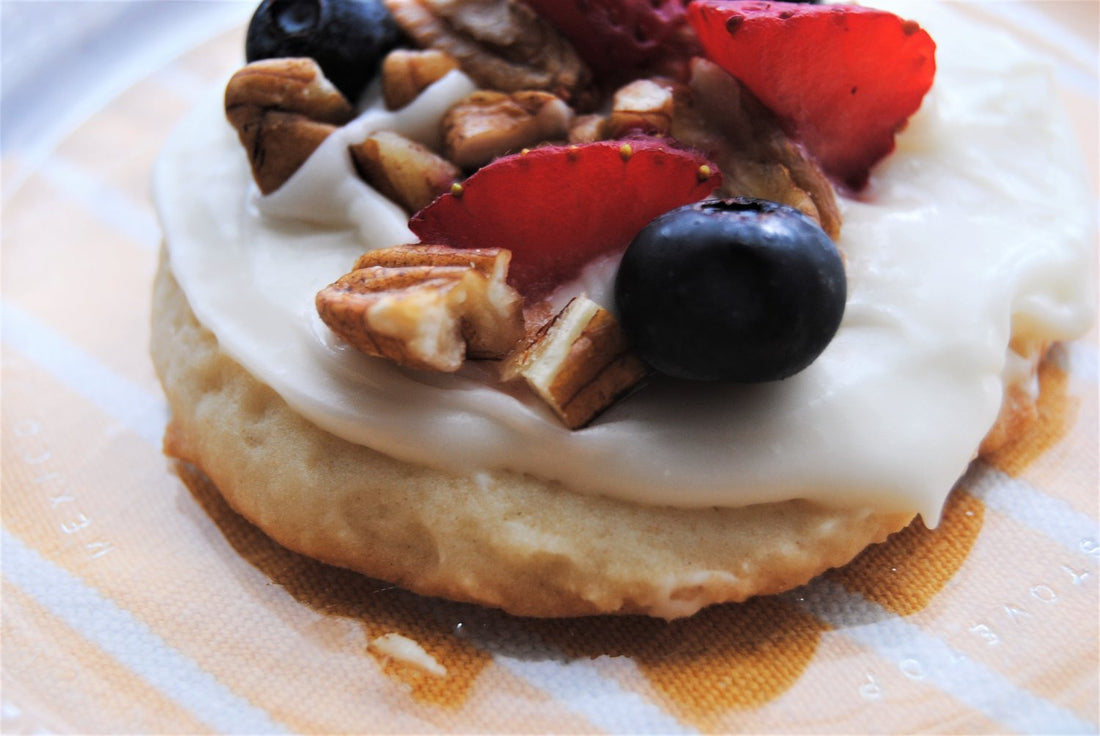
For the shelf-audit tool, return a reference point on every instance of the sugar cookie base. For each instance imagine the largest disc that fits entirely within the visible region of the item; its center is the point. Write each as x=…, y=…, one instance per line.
x=499, y=539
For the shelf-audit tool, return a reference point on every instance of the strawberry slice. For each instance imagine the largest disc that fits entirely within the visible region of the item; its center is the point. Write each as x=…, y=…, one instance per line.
x=842, y=78
x=558, y=207
x=619, y=39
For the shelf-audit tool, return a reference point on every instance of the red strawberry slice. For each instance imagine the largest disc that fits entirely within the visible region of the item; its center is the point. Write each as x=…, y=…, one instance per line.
x=558, y=207
x=619, y=38
x=842, y=78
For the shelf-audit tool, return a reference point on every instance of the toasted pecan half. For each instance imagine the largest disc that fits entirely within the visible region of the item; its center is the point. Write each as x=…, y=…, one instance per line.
x=283, y=109
x=426, y=306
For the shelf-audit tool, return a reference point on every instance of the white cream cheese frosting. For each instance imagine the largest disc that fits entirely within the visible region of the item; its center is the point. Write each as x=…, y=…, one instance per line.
x=978, y=229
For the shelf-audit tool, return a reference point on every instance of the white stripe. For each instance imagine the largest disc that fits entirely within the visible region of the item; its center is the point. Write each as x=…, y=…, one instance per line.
x=131, y=642
x=923, y=657
x=104, y=202
x=578, y=686
x=1045, y=514
x=138, y=410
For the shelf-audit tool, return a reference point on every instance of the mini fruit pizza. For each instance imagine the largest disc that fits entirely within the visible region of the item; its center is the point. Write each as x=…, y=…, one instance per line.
x=617, y=306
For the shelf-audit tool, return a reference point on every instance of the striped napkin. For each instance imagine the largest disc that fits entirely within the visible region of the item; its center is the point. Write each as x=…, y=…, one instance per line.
x=135, y=601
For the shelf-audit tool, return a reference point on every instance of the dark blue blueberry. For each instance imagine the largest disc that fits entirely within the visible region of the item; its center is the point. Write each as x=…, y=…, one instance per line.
x=347, y=38
x=738, y=290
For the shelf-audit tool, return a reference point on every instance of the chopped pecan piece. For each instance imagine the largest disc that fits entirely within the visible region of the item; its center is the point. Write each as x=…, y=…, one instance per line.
x=588, y=129
x=426, y=306
x=500, y=44
x=282, y=110
x=579, y=363
x=406, y=73
x=756, y=158
x=644, y=106
x=489, y=124
x=403, y=170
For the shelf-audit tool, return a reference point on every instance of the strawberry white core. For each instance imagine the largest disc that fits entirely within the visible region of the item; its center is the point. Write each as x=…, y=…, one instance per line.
x=975, y=232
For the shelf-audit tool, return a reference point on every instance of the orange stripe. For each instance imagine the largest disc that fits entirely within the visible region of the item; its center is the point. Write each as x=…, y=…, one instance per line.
x=106, y=309
x=120, y=143
x=210, y=60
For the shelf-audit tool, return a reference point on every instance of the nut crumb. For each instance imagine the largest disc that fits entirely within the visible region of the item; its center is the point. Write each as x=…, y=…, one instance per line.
x=406, y=651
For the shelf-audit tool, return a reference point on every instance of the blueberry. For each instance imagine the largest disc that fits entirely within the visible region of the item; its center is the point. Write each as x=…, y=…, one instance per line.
x=347, y=38
x=740, y=290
